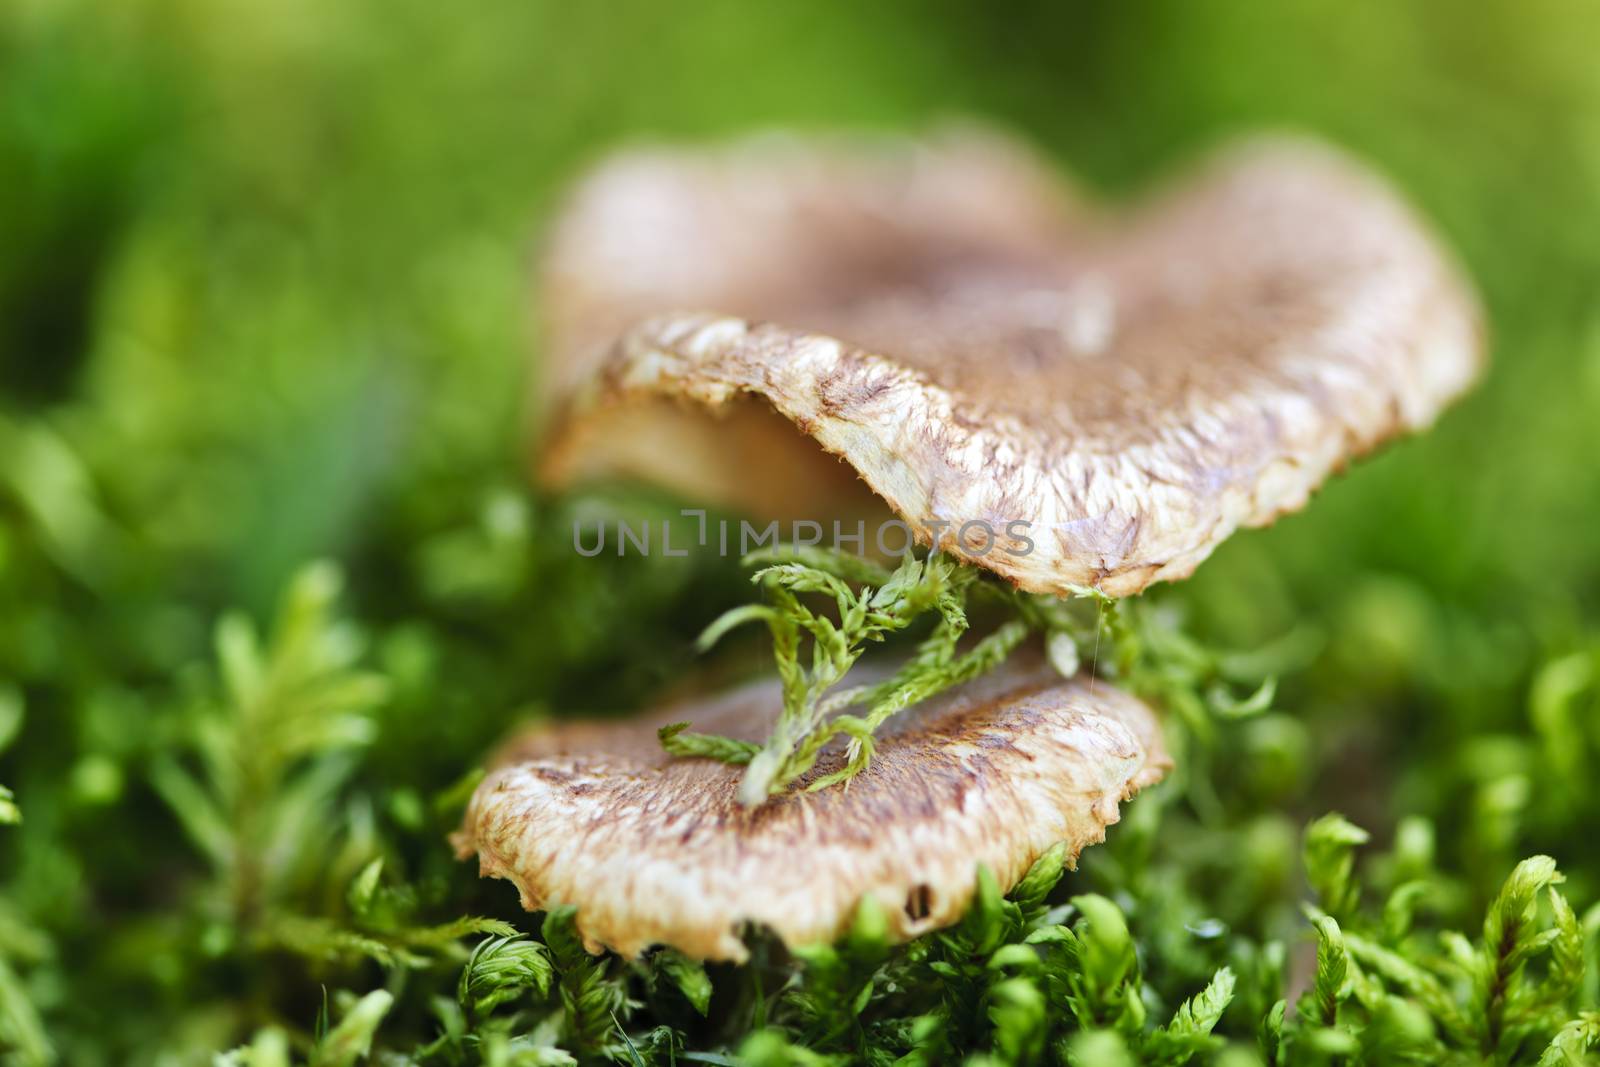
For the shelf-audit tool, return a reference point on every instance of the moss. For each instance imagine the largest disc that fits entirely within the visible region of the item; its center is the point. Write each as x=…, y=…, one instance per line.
x=283, y=252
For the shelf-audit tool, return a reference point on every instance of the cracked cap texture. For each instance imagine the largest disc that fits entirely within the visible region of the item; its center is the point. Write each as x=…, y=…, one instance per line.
x=977, y=346
x=657, y=850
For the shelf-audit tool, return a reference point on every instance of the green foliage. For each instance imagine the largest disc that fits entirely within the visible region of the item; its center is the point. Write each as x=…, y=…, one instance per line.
x=990, y=983
x=811, y=715
x=1190, y=1030
x=1330, y=847
x=344, y=1045
x=351, y=1040
x=1320, y=1008
x=22, y=1033
x=871, y=604
x=272, y=748
x=10, y=724
x=592, y=997
x=687, y=975
x=676, y=739
x=1438, y=998
x=263, y=290
x=1576, y=1039
x=501, y=969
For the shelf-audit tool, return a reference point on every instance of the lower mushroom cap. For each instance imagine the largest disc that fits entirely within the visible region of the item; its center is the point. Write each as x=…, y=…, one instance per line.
x=657, y=850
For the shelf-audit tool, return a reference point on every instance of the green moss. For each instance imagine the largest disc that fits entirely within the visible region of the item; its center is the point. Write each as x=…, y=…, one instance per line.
x=263, y=273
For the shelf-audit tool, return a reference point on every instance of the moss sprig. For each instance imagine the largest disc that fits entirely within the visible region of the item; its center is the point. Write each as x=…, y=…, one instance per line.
x=871, y=603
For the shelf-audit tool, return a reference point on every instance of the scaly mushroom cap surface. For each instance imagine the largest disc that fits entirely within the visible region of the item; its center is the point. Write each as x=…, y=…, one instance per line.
x=657, y=850
x=942, y=318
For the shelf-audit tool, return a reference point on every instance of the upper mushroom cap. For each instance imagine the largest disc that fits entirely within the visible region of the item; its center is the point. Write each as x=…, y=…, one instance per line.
x=657, y=850
x=941, y=317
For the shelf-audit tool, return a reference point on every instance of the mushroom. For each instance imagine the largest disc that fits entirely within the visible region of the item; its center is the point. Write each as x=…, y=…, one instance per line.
x=974, y=347
x=657, y=850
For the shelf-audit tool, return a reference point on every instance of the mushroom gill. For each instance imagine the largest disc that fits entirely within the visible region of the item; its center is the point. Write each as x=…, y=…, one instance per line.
x=942, y=318
x=657, y=850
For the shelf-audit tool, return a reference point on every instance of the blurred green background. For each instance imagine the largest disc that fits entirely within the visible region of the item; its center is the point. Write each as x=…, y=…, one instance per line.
x=265, y=298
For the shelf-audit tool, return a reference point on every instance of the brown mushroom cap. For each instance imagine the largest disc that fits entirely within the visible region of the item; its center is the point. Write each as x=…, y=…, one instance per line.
x=657, y=850
x=939, y=317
